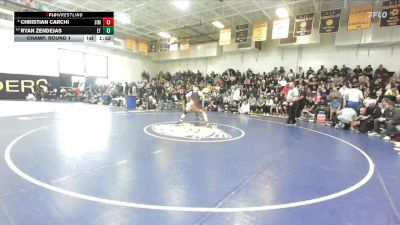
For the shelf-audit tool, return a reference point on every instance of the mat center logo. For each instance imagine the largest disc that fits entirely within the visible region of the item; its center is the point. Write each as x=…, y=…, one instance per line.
x=194, y=132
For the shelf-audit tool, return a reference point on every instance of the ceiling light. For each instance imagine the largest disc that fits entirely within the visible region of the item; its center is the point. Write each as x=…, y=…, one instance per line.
x=218, y=24
x=123, y=18
x=181, y=4
x=164, y=34
x=282, y=13
x=65, y=2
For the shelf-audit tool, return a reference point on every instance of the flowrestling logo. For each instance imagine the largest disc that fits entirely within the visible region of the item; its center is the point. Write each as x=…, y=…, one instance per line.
x=194, y=132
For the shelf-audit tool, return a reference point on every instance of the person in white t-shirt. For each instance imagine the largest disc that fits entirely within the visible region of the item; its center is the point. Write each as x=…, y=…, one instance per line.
x=245, y=108
x=236, y=94
x=268, y=105
x=354, y=97
x=346, y=116
x=282, y=82
x=291, y=99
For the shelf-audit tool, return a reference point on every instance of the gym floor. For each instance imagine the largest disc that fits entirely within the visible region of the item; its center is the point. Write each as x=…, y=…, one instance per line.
x=86, y=164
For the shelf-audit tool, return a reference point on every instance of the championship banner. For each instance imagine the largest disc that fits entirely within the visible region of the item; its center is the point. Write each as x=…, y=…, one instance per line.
x=173, y=44
x=303, y=24
x=184, y=44
x=330, y=21
x=390, y=15
x=241, y=33
x=131, y=43
x=142, y=46
x=153, y=46
x=280, y=29
x=290, y=39
x=164, y=45
x=225, y=36
x=260, y=31
x=17, y=86
x=360, y=17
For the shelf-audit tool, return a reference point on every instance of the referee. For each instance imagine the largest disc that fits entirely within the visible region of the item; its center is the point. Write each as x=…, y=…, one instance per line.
x=291, y=99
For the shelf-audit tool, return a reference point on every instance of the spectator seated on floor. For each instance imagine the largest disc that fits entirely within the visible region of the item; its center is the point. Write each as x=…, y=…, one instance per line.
x=355, y=125
x=307, y=113
x=119, y=101
x=334, y=106
x=213, y=106
x=84, y=96
x=151, y=103
x=44, y=91
x=94, y=99
x=71, y=95
x=260, y=105
x=63, y=93
x=389, y=120
x=38, y=94
x=245, y=107
x=372, y=112
x=233, y=107
x=269, y=102
x=105, y=99
x=345, y=117
x=53, y=94
x=253, y=103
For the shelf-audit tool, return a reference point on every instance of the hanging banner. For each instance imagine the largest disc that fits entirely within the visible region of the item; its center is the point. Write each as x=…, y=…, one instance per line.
x=280, y=29
x=330, y=21
x=241, y=33
x=143, y=46
x=164, y=45
x=390, y=15
x=153, y=46
x=360, y=17
x=290, y=39
x=131, y=43
x=303, y=24
x=225, y=36
x=173, y=44
x=260, y=31
x=184, y=44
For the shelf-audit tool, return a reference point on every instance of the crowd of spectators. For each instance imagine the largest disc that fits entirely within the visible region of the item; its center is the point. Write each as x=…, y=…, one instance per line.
x=361, y=99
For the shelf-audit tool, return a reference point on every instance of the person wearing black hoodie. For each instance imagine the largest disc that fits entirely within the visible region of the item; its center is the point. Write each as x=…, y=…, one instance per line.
x=373, y=112
x=390, y=118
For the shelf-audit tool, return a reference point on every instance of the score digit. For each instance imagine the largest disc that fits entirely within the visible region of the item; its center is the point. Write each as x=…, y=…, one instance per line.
x=108, y=30
x=108, y=21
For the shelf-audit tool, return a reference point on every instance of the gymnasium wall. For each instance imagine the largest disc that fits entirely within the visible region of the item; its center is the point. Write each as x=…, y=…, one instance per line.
x=324, y=53
x=42, y=58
